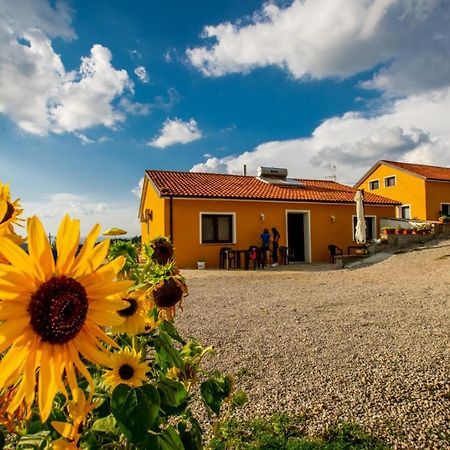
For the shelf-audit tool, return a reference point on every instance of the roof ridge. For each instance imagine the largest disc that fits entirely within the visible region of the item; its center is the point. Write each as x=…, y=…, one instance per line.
x=414, y=164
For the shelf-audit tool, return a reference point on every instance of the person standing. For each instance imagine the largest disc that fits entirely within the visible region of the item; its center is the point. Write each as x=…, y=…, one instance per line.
x=265, y=242
x=275, y=238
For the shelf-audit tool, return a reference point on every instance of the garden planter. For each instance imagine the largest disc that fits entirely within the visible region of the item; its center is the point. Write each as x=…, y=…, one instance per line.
x=387, y=231
x=407, y=231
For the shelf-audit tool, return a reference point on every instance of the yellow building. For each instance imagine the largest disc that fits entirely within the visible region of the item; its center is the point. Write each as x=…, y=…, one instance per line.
x=423, y=191
x=203, y=212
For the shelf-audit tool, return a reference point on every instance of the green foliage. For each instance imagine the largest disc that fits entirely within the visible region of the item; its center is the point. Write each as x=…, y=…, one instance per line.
x=285, y=432
x=216, y=390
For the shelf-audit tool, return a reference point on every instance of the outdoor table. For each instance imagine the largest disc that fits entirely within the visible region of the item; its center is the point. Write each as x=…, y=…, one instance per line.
x=355, y=247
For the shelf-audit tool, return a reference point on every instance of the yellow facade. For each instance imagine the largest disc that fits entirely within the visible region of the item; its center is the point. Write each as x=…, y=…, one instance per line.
x=424, y=197
x=324, y=224
x=408, y=189
x=437, y=193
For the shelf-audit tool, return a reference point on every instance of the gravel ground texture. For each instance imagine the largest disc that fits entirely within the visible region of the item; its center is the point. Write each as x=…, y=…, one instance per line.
x=368, y=345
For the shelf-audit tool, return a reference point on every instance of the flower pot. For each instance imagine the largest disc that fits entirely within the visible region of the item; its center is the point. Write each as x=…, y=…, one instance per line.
x=387, y=231
x=407, y=231
x=201, y=265
x=399, y=231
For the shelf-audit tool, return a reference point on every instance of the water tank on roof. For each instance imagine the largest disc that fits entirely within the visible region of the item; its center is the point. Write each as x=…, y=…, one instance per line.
x=272, y=172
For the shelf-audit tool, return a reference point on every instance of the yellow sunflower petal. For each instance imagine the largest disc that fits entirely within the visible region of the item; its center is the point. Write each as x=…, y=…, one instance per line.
x=65, y=429
x=106, y=318
x=12, y=364
x=39, y=246
x=11, y=330
x=102, y=290
x=96, y=258
x=104, y=273
x=3, y=209
x=47, y=382
x=97, y=332
x=11, y=309
x=85, y=251
x=67, y=242
x=18, y=258
x=84, y=345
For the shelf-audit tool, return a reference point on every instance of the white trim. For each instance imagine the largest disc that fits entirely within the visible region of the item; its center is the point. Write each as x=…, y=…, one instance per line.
x=372, y=181
x=375, y=228
x=444, y=203
x=390, y=176
x=223, y=213
x=293, y=202
x=399, y=211
x=306, y=230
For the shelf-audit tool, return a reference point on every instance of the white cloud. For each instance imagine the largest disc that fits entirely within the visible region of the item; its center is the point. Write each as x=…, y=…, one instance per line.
x=36, y=92
x=414, y=129
x=142, y=74
x=135, y=108
x=53, y=207
x=322, y=38
x=137, y=190
x=176, y=132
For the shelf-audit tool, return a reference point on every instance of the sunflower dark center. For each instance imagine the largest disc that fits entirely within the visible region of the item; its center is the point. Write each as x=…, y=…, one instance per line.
x=168, y=294
x=58, y=309
x=9, y=213
x=126, y=372
x=129, y=310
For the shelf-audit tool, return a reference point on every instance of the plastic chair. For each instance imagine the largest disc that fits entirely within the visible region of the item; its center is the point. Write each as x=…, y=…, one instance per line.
x=334, y=251
x=286, y=255
x=226, y=258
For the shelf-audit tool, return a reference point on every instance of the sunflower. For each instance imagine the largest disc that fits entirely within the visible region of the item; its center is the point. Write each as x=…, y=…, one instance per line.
x=134, y=314
x=9, y=216
x=126, y=369
x=79, y=409
x=52, y=312
x=162, y=250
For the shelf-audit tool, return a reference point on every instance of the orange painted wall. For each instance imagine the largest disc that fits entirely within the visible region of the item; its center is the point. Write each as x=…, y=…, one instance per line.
x=437, y=193
x=186, y=225
x=409, y=189
x=159, y=225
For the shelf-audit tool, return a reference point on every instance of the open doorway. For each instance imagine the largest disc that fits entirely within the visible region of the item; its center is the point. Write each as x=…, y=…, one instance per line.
x=298, y=236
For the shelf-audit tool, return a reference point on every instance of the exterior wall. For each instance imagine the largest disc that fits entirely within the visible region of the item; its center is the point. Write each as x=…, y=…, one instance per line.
x=323, y=230
x=409, y=189
x=159, y=225
x=437, y=193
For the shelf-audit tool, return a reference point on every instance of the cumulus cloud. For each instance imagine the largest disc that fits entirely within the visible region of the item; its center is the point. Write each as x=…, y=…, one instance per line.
x=414, y=129
x=52, y=208
x=36, y=91
x=137, y=190
x=321, y=38
x=142, y=74
x=176, y=132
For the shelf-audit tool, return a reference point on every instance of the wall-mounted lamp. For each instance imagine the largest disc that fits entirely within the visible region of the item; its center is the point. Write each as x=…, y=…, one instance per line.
x=148, y=214
x=333, y=218
x=262, y=217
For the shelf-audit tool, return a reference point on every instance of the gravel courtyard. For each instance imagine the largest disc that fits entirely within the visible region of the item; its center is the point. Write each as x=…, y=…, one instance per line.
x=368, y=345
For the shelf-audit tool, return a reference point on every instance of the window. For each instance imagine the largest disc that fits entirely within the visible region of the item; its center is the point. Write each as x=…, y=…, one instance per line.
x=445, y=209
x=217, y=228
x=389, y=181
x=374, y=184
x=405, y=212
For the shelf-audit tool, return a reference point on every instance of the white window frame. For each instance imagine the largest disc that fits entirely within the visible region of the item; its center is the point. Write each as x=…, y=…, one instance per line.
x=372, y=181
x=390, y=176
x=444, y=203
x=399, y=211
x=375, y=230
x=218, y=213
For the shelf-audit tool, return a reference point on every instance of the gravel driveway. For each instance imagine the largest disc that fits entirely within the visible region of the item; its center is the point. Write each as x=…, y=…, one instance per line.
x=370, y=345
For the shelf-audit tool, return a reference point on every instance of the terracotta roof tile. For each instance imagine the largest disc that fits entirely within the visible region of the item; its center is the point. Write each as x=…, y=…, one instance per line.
x=212, y=185
x=429, y=172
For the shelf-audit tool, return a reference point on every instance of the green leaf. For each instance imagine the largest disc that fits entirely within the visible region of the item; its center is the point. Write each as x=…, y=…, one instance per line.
x=171, y=330
x=154, y=399
x=167, y=440
x=172, y=393
x=192, y=438
x=34, y=441
x=166, y=354
x=2, y=440
x=133, y=412
x=106, y=424
x=192, y=348
x=215, y=391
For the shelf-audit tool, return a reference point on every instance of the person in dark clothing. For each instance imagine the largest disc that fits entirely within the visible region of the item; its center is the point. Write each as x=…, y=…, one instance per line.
x=275, y=238
x=265, y=242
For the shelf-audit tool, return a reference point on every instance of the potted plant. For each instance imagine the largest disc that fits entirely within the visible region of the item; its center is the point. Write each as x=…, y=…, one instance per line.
x=444, y=219
x=407, y=231
x=388, y=230
x=399, y=230
x=422, y=228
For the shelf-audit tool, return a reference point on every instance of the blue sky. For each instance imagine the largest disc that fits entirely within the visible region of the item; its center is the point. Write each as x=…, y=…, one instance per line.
x=93, y=93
